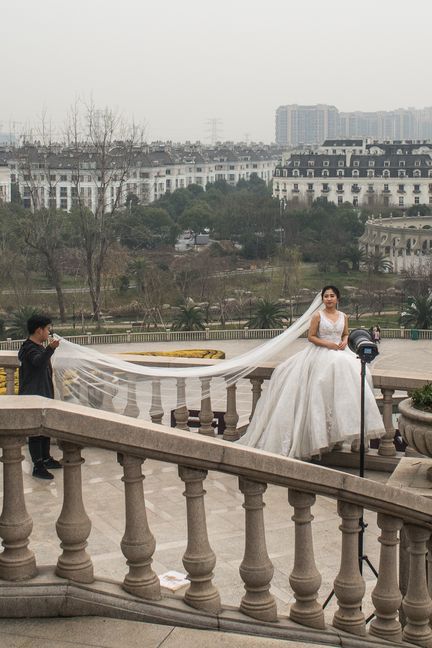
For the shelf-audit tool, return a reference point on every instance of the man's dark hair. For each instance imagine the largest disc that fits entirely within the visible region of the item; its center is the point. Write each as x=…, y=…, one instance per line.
x=37, y=321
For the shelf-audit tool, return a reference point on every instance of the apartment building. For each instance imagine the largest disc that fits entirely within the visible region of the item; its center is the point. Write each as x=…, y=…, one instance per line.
x=60, y=176
x=360, y=172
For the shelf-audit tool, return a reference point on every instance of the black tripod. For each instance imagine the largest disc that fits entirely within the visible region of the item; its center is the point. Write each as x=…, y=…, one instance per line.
x=362, y=557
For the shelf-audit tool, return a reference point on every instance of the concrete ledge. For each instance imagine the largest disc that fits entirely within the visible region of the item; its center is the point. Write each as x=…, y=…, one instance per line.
x=50, y=596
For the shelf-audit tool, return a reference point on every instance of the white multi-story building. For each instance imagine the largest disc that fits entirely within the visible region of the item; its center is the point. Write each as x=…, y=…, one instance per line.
x=5, y=183
x=360, y=172
x=58, y=178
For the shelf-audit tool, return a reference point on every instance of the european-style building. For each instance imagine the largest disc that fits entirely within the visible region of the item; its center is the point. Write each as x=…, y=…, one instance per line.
x=360, y=172
x=58, y=177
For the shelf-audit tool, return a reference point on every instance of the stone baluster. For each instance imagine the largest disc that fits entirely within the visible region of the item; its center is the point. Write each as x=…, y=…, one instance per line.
x=181, y=414
x=10, y=381
x=387, y=446
x=131, y=408
x=156, y=411
x=349, y=585
x=109, y=390
x=256, y=569
x=231, y=416
x=138, y=544
x=305, y=579
x=206, y=412
x=417, y=604
x=73, y=526
x=17, y=562
x=256, y=393
x=199, y=559
x=386, y=595
x=429, y=566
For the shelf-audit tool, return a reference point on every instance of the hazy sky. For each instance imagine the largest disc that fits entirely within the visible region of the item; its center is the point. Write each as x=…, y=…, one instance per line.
x=175, y=64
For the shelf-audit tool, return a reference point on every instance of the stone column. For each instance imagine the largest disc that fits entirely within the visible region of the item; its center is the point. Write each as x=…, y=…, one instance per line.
x=417, y=604
x=256, y=569
x=17, y=562
x=305, y=578
x=156, y=411
x=349, y=585
x=206, y=412
x=181, y=413
x=131, y=408
x=10, y=381
x=387, y=446
x=199, y=560
x=138, y=544
x=231, y=416
x=386, y=595
x=256, y=393
x=73, y=526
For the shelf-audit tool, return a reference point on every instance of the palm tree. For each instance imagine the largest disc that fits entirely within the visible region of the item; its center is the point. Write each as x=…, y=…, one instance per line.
x=189, y=318
x=268, y=315
x=18, y=326
x=378, y=262
x=418, y=313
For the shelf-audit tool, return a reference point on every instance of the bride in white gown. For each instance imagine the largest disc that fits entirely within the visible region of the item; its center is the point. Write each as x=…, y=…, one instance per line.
x=313, y=399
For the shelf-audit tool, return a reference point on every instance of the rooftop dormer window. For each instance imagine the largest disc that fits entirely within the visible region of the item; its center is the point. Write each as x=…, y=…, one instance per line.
x=311, y=163
x=296, y=173
x=386, y=163
x=326, y=163
x=310, y=174
x=371, y=163
x=401, y=163
x=340, y=173
x=370, y=173
x=325, y=173
x=386, y=174
x=341, y=163
x=355, y=173
x=417, y=173
x=356, y=163
x=401, y=174
x=417, y=163
x=296, y=163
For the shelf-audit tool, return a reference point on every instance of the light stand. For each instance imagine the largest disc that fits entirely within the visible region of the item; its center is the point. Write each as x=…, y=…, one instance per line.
x=360, y=342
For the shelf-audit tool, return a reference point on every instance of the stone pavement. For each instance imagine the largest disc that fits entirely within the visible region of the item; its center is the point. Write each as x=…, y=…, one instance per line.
x=110, y=633
x=394, y=354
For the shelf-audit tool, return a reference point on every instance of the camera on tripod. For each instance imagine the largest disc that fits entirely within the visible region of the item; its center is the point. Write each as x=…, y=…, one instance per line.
x=360, y=342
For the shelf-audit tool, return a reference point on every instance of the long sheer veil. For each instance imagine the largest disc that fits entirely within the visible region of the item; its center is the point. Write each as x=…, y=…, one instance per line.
x=138, y=387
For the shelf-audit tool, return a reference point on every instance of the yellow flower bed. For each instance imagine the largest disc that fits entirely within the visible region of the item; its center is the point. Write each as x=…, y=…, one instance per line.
x=212, y=354
x=3, y=381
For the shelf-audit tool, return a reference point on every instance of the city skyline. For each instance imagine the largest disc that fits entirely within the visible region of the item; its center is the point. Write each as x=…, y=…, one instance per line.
x=177, y=70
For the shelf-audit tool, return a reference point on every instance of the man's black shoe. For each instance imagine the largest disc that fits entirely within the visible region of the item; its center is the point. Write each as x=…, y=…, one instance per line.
x=52, y=463
x=41, y=472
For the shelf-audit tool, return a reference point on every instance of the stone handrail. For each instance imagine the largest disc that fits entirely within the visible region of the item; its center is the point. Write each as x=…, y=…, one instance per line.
x=77, y=427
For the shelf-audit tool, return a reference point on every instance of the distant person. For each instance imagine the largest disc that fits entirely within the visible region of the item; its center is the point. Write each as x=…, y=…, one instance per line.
x=35, y=378
x=376, y=334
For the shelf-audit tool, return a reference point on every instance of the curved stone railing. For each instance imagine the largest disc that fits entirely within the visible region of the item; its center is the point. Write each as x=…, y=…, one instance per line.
x=77, y=427
x=388, y=382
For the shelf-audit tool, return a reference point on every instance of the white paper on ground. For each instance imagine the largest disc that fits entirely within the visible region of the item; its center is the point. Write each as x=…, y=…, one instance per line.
x=173, y=580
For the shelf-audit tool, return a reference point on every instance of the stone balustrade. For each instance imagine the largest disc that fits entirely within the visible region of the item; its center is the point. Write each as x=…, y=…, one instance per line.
x=77, y=427
x=389, y=383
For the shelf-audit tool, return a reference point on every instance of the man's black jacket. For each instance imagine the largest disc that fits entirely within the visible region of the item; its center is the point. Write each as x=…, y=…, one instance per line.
x=35, y=372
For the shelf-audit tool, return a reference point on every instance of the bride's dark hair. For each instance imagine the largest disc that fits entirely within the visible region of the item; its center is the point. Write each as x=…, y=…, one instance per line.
x=335, y=290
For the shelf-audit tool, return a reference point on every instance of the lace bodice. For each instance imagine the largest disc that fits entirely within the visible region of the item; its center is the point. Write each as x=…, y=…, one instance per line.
x=332, y=331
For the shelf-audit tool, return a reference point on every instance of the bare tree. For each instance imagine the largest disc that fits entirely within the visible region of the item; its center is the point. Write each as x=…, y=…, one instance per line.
x=105, y=152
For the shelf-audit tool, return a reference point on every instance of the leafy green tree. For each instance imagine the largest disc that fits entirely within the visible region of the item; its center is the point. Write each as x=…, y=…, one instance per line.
x=423, y=210
x=418, y=313
x=268, y=315
x=146, y=227
x=196, y=217
x=189, y=318
x=17, y=328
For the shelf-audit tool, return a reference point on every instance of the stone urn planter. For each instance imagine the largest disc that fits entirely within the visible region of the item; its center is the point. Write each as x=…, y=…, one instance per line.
x=415, y=426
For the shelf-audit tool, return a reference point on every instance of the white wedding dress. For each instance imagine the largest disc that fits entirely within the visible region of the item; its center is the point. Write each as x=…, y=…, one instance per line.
x=312, y=401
